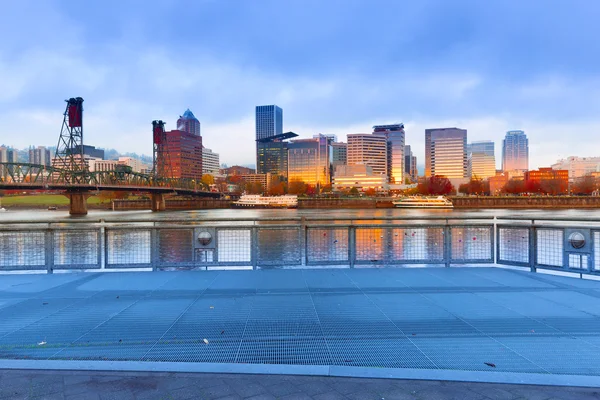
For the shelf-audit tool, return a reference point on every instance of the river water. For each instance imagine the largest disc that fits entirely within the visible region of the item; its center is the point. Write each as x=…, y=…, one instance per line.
x=63, y=216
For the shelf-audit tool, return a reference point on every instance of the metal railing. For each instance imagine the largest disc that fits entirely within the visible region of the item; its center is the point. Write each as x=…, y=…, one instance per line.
x=251, y=243
x=300, y=242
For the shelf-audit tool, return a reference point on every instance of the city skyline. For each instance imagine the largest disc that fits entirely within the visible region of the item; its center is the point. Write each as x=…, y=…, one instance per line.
x=489, y=68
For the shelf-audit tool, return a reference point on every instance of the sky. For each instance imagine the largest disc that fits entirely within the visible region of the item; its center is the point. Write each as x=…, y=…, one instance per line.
x=334, y=66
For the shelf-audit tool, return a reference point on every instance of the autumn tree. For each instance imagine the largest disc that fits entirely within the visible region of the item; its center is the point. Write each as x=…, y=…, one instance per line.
x=475, y=186
x=371, y=192
x=277, y=187
x=436, y=186
x=297, y=187
x=585, y=185
x=514, y=186
x=208, y=179
x=554, y=186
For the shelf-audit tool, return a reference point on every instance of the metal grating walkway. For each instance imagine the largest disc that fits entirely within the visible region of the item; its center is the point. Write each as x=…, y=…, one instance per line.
x=468, y=319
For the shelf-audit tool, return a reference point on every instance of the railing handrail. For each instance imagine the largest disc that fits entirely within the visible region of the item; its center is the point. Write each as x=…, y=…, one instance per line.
x=347, y=220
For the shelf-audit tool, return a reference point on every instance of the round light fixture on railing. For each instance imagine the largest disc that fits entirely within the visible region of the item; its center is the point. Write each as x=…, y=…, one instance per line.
x=576, y=240
x=204, y=238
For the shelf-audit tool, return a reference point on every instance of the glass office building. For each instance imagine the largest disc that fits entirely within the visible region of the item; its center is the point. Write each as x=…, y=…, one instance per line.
x=272, y=154
x=395, y=150
x=269, y=124
x=481, y=161
x=515, y=151
x=446, y=152
x=308, y=161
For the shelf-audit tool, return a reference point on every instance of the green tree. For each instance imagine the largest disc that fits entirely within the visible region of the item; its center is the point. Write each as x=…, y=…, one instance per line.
x=353, y=192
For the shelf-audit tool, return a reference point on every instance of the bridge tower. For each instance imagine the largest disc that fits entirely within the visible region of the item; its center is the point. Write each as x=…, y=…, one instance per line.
x=161, y=167
x=69, y=151
x=161, y=162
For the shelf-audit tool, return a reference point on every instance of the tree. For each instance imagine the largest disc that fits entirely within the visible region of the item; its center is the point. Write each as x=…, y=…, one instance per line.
x=436, y=186
x=475, y=186
x=554, y=186
x=353, y=192
x=532, y=186
x=208, y=179
x=585, y=185
x=277, y=187
x=311, y=190
x=371, y=192
x=326, y=188
x=297, y=187
x=514, y=186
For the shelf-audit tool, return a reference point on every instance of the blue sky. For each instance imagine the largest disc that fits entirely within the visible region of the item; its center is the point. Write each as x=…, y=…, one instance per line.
x=333, y=66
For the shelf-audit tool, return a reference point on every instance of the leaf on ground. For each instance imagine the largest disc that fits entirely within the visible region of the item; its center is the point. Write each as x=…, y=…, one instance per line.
x=490, y=364
x=205, y=341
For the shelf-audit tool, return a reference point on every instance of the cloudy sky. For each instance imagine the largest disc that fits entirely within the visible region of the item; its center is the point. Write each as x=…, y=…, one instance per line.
x=334, y=66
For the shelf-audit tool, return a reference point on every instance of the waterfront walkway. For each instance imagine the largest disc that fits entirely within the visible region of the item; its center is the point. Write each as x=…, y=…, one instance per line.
x=464, y=324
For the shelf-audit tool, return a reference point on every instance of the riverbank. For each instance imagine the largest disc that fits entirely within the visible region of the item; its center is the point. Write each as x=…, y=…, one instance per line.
x=525, y=202
x=61, y=202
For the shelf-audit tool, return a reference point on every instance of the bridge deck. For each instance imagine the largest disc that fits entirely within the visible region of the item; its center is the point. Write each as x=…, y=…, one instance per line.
x=429, y=320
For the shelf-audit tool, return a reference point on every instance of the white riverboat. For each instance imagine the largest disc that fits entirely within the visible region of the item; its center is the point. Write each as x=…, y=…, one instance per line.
x=423, y=202
x=258, y=201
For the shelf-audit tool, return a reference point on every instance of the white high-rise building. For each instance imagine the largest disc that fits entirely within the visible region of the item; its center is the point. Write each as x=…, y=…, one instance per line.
x=446, y=152
x=368, y=149
x=210, y=162
x=135, y=164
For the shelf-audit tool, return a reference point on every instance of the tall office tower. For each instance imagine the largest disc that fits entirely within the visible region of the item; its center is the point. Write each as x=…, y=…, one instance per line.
x=210, y=162
x=269, y=123
x=184, y=154
x=410, y=164
x=515, y=151
x=481, y=161
x=308, y=161
x=446, y=152
x=368, y=149
x=395, y=150
x=339, y=155
x=189, y=123
x=272, y=154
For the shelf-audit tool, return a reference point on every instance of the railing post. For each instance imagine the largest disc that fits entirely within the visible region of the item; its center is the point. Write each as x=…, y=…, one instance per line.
x=447, y=244
x=532, y=246
x=154, y=253
x=254, y=247
x=303, y=241
x=49, y=250
x=351, y=245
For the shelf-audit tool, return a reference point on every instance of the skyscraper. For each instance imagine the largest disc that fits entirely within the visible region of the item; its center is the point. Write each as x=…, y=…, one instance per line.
x=269, y=123
x=210, y=162
x=339, y=155
x=395, y=150
x=481, y=161
x=410, y=164
x=446, y=152
x=515, y=151
x=184, y=154
x=368, y=149
x=189, y=123
x=308, y=161
x=272, y=154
